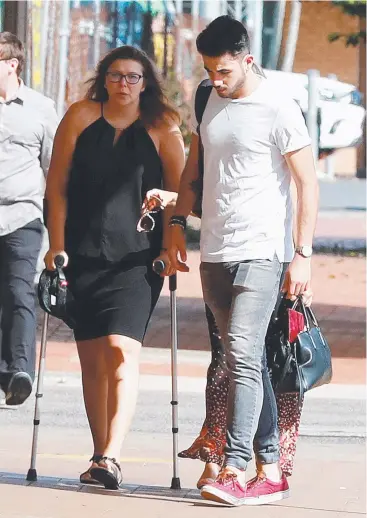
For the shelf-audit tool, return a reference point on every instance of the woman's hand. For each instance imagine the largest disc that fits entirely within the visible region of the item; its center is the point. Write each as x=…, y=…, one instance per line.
x=50, y=258
x=169, y=270
x=157, y=199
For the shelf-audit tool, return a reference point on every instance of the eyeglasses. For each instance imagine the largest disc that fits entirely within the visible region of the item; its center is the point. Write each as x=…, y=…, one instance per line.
x=131, y=79
x=146, y=222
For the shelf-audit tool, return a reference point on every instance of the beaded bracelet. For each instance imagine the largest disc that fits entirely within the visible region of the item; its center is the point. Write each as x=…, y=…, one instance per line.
x=177, y=220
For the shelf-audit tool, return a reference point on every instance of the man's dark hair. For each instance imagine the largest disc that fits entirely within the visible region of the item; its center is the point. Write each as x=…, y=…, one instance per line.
x=11, y=47
x=224, y=35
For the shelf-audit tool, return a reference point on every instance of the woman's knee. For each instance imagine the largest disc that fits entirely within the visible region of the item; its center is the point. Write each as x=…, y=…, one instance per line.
x=121, y=351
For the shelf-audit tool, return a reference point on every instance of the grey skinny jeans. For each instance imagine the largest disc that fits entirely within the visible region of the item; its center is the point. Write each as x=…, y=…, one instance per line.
x=242, y=296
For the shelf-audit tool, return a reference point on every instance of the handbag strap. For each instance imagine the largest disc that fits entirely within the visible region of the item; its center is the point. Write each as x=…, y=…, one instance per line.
x=312, y=315
x=307, y=313
x=285, y=369
x=301, y=387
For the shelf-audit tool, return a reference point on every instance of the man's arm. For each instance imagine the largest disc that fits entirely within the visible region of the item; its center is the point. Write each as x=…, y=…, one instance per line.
x=190, y=181
x=50, y=124
x=172, y=154
x=187, y=194
x=302, y=167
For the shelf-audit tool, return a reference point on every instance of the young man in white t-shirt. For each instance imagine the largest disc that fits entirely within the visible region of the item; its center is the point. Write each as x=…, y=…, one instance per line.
x=254, y=140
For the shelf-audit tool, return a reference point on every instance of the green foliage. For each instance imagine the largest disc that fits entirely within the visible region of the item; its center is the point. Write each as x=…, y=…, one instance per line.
x=351, y=40
x=353, y=8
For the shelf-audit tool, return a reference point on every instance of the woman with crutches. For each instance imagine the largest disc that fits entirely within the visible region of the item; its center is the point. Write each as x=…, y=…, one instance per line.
x=110, y=149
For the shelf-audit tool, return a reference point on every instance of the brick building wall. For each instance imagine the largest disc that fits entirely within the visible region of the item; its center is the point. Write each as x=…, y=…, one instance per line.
x=318, y=20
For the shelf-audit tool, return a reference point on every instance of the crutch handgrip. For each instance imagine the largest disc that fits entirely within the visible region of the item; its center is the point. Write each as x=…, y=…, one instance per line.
x=59, y=261
x=159, y=266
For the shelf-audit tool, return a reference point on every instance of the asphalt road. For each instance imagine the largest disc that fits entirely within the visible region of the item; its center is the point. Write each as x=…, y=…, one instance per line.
x=343, y=415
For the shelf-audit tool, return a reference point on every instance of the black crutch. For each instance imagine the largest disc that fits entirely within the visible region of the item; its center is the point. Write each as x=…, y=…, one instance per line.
x=32, y=472
x=158, y=267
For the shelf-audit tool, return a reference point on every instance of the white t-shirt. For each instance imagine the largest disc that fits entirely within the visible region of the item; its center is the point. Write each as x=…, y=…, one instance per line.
x=247, y=210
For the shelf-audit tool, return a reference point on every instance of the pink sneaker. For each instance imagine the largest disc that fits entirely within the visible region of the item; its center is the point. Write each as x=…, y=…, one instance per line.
x=260, y=490
x=226, y=490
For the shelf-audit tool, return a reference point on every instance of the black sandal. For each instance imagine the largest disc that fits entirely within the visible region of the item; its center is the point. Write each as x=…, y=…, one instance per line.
x=86, y=478
x=108, y=473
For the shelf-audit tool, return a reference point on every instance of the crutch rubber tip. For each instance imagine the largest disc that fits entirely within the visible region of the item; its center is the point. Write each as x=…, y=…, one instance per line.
x=32, y=475
x=175, y=484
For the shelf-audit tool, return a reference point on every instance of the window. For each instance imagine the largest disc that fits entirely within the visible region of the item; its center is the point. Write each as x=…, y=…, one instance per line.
x=186, y=6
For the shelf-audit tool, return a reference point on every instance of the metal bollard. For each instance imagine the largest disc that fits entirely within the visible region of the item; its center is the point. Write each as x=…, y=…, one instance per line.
x=311, y=116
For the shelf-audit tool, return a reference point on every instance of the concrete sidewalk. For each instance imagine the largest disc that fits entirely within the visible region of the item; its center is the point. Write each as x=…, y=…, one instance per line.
x=329, y=482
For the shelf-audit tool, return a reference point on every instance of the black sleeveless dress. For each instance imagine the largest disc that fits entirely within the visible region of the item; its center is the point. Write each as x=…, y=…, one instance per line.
x=110, y=263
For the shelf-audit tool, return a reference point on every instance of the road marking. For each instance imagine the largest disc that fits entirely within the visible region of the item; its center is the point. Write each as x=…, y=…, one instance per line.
x=193, y=385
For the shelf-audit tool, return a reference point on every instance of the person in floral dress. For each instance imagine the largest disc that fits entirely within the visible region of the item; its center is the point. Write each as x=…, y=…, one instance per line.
x=210, y=443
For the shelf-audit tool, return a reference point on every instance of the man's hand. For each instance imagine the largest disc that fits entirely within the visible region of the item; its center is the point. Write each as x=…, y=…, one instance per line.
x=177, y=249
x=298, y=277
x=307, y=297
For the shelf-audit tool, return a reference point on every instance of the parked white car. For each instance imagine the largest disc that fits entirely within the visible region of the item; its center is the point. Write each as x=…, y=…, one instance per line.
x=341, y=113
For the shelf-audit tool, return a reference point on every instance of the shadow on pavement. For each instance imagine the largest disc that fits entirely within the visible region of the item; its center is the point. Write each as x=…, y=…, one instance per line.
x=343, y=326
x=65, y=484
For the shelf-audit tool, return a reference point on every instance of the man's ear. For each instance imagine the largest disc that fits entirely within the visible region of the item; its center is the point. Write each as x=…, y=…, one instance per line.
x=248, y=60
x=14, y=63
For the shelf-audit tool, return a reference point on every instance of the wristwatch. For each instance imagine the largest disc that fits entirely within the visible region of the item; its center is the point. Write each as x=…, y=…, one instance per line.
x=304, y=250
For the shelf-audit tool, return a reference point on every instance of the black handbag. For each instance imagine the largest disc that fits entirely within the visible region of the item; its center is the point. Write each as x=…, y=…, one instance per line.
x=300, y=365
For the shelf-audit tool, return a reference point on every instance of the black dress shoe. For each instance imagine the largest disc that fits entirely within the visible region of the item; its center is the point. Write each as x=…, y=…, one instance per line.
x=108, y=473
x=19, y=388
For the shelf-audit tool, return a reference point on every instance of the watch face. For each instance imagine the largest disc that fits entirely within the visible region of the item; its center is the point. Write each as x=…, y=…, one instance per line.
x=306, y=251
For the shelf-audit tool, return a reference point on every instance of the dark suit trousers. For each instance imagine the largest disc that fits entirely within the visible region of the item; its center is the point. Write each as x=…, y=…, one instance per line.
x=19, y=252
